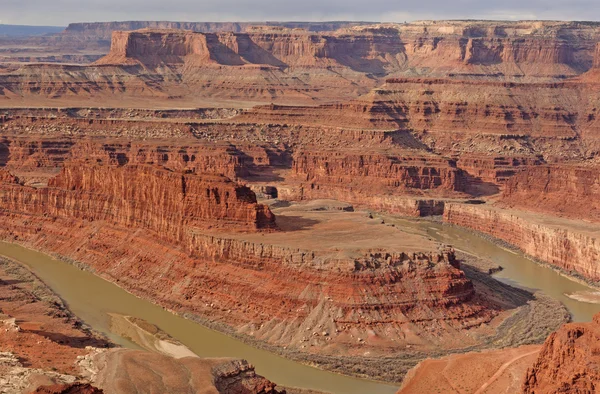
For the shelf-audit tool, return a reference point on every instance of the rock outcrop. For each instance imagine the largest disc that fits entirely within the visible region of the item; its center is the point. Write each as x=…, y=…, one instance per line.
x=270, y=63
x=162, y=201
x=567, y=190
x=177, y=239
x=568, y=361
x=380, y=171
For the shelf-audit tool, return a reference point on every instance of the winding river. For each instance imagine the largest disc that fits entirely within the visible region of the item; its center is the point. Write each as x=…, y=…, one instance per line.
x=92, y=298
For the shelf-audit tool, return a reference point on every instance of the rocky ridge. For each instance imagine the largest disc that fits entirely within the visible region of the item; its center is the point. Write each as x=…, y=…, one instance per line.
x=568, y=361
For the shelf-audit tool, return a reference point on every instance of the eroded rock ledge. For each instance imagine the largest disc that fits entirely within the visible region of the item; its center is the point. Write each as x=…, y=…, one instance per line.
x=190, y=243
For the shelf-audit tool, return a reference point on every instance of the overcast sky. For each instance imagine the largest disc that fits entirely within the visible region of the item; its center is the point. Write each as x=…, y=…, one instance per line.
x=62, y=12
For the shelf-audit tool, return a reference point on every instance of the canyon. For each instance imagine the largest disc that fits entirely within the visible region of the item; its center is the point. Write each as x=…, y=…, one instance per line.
x=243, y=175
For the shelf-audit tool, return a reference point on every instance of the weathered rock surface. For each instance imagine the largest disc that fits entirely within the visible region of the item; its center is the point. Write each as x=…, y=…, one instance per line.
x=40, y=339
x=190, y=260
x=462, y=49
x=162, y=201
x=488, y=372
x=568, y=361
x=567, y=190
x=270, y=63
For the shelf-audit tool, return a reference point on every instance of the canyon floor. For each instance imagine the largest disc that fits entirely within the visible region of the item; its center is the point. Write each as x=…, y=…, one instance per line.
x=256, y=180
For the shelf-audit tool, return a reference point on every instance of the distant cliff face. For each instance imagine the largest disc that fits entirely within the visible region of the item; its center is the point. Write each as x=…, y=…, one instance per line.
x=567, y=190
x=103, y=30
x=291, y=65
x=378, y=50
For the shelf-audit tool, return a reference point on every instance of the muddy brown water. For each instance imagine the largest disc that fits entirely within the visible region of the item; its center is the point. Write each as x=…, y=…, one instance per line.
x=92, y=298
x=518, y=270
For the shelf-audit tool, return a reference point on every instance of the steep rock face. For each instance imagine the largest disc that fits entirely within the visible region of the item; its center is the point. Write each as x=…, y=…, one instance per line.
x=8, y=178
x=379, y=171
x=400, y=205
x=436, y=105
x=363, y=53
x=568, y=245
x=568, y=361
x=377, y=49
x=494, y=169
x=163, y=201
x=566, y=190
x=47, y=154
x=593, y=75
x=193, y=199
x=474, y=118
x=200, y=159
x=154, y=48
x=269, y=64
x=74, y=388
x=33, y=153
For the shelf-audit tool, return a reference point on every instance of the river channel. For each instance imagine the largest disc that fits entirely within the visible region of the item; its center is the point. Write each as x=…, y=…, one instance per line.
x=92, y=298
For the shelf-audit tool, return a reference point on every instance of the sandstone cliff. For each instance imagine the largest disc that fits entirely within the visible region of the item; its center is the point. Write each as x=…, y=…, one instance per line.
x=269, y=64
x=568, y=361
x=561, y=189
x=569, y=245
x=380, y=171
x=380, y=49
x=176, y=239
x=162, y=201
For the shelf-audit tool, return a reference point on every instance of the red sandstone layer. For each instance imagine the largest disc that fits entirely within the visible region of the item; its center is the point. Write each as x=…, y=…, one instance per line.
x=163, y=201
x=568, y=190
x=568, y=361
x=566, y=244
x=156, y=224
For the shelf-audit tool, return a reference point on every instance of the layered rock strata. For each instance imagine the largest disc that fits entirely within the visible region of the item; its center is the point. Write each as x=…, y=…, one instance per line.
x=568, y=190
x=381, y=171
x=167, y=233
x=270, y=64
x=471, y=49
x=162, y=201
x=568, y=245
